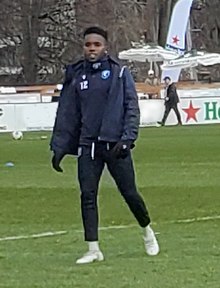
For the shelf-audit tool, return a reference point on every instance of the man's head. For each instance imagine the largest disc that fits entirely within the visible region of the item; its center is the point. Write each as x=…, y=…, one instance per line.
x=95, y=43
x=167, y=80
x=151, y=73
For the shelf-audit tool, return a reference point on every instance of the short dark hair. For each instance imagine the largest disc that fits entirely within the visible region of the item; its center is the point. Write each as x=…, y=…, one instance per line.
x=167, y=77
x=96, y=30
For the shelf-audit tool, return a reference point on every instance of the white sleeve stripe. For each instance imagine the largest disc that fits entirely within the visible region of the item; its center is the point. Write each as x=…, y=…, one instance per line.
x=122, y=71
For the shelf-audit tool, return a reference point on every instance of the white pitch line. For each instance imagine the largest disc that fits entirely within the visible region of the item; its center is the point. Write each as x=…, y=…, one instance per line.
x=190, y=220
x=55, y=233
x=197, y=219
x=116, y=227
x=112, y=227
x=34, y=236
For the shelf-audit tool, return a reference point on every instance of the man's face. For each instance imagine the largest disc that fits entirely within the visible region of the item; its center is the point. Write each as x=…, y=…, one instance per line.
x=94, y=47
x=167, y=82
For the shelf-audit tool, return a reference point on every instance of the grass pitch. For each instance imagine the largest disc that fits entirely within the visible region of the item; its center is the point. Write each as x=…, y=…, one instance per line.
x=177, y=170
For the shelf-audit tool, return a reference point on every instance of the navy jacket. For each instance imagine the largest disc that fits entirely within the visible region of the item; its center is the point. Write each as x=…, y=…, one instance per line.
x=121, y=116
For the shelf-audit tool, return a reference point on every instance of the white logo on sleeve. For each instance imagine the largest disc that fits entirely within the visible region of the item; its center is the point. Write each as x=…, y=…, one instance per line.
x=105, y=74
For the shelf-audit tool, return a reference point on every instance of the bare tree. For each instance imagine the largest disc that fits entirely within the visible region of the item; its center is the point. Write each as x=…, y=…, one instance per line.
x=41, y=36
x=208, y=35
x=39, y=32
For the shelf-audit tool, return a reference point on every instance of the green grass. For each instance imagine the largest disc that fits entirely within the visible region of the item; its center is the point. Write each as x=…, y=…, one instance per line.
x=177, y=171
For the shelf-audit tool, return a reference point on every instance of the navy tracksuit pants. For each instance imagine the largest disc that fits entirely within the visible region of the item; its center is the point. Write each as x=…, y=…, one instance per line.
x=168, y=108
x=89, y=173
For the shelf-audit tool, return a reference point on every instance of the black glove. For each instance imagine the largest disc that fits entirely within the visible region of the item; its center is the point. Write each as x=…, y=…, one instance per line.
x=56, y=159
x=122, y=148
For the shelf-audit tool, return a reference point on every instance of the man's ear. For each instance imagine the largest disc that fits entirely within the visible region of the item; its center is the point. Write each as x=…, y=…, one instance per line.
x=106, y=48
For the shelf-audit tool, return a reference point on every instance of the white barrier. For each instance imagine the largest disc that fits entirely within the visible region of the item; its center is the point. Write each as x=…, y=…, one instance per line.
x=27, y=117
x=40, y=116
x=193, y=111
x=20, y=98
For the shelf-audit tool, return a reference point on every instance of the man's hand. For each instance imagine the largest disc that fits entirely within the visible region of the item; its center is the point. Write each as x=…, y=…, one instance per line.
x=56, y=159
x=122, y=148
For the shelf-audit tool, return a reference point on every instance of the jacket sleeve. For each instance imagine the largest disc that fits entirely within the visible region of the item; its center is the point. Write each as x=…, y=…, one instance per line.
x=172, y=91
x=131, y=108
x=66, y=128
x=173, y=96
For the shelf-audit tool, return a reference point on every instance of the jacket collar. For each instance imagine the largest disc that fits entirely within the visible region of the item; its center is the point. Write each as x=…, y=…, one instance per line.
x=82, y=59
x=75, y=68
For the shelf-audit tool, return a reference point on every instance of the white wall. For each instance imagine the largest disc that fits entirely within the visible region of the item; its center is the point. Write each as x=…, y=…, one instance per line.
x=196, y=107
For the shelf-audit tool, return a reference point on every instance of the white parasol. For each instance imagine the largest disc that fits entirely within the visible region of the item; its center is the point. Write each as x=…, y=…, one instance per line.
x=150, y=53
x=192, y=59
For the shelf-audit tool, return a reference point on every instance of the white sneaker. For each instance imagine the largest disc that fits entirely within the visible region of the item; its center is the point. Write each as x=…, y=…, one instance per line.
x=150, y=241
x=90, y=256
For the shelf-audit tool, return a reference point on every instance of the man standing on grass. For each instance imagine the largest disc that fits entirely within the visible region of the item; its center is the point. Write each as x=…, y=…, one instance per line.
x=97, y=120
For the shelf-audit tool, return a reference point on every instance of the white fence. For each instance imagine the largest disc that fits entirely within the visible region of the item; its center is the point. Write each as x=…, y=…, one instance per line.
x=196, y=107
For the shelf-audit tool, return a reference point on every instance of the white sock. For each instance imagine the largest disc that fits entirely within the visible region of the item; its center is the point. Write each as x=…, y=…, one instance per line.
x=93, y=245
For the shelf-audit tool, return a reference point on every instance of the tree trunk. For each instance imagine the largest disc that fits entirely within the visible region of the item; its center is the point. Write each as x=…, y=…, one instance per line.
x=30, y=28
x=165, y=14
